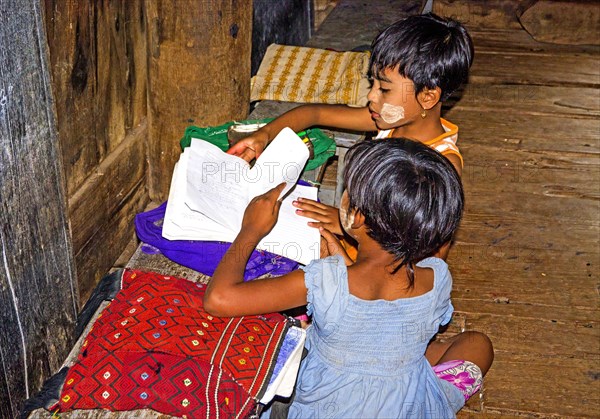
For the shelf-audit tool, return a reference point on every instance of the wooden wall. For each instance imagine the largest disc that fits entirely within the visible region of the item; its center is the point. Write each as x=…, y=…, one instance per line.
x=98, y=61
x=38, y=291
x=120, y=139
x=285, y=22
x=94, y=97
x=199, y=74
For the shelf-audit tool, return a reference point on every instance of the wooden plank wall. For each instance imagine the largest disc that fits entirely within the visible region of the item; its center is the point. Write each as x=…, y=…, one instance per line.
x=99, y=74
x=199, y=74
x=104, y=55
x=38, y=293
x=84, y=162
x=285, y=22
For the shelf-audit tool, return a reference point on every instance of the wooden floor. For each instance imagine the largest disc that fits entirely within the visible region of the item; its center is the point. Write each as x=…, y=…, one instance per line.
x=526, y=263
x=526, y=260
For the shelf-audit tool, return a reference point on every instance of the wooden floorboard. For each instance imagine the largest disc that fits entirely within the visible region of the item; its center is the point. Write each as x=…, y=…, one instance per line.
x=542, y=69
x=528, y=339
x=510, y=40
x=514, y=130
x=499, y=305
x=561, y=387
x=513, y=201
x=579, y=102
x=526, y=259
x=535, y=233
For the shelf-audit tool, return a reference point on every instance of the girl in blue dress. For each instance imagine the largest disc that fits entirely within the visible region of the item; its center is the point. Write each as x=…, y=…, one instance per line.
x=373, y=318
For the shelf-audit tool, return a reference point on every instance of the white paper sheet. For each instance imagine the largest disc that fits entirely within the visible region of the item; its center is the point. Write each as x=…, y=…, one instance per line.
x=210, y=191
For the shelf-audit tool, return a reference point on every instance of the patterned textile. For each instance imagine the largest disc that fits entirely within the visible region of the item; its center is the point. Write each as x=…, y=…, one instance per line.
x=464, y=375
x=311, y=75
x=155, y=347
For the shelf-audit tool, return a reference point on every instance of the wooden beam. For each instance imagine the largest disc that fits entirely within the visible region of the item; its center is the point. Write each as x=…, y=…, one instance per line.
x=481, y=13
x=38, y=293
x=199, y=74
x=97, y=255
x=103, y=208
x=563, y=22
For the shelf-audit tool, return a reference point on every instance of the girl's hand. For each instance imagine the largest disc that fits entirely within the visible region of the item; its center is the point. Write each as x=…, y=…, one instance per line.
x=333, y=246
x=250, y=147
x=261, y=214
x=326, y=215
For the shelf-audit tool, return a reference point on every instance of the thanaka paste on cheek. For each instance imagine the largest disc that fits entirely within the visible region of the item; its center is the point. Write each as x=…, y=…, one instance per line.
x=345, y=219
x=391, y=113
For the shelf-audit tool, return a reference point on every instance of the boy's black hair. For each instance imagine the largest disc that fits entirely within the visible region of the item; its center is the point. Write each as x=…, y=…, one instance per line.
x=427, y=49
x=410, y=195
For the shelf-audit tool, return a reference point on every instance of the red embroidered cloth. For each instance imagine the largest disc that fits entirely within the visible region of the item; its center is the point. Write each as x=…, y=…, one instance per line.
x=155, y=347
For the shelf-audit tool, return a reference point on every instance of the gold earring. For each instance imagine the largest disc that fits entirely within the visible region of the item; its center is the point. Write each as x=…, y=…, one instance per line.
x=423, y=114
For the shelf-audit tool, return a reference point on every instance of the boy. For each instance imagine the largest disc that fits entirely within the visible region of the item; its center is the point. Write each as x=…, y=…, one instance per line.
x=416, y=64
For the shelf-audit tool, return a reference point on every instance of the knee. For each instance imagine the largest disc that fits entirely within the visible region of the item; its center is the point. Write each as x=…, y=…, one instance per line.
x=479, y=339
x=483, y=346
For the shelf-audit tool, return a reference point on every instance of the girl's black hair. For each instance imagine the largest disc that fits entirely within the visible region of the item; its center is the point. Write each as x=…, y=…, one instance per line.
x=410, y=195
x=427, y=49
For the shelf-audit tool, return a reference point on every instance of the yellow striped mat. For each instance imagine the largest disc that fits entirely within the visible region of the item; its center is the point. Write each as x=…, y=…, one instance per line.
x=311, y=75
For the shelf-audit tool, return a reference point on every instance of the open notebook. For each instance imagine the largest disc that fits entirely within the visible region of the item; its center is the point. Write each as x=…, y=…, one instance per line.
x=210, y=191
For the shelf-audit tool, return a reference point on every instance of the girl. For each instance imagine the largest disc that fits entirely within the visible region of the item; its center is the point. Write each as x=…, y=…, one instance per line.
x=371, y=320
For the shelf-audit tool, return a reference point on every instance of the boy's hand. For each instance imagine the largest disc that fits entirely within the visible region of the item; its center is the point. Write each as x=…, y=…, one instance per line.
x=331, y=245
x=326, y=215
x=250, y=147
x=261, y=214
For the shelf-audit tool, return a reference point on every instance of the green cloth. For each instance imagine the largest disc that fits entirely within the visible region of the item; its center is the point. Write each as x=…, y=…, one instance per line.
x=324, y=147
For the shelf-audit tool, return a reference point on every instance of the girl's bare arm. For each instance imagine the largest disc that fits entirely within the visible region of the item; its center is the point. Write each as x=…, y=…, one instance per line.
x=228, y=295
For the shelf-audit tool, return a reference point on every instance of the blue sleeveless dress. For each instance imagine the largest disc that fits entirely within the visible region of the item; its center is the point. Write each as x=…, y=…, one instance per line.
x=366, y=358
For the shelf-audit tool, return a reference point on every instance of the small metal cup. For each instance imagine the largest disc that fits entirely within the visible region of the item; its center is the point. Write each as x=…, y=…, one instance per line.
x=236, y=132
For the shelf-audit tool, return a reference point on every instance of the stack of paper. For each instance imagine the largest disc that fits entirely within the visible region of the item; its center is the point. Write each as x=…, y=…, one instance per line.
x=210, y=191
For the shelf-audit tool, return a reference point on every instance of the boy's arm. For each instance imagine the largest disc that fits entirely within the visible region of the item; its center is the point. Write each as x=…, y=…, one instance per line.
x=228, y=295
x=300, y=118
x=324, y=215
x=443, y=251
x=333, y=246
x=456, y=162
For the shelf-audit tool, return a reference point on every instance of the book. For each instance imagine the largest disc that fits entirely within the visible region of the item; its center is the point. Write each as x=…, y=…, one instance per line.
x=286, y=368
x=211, y=189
